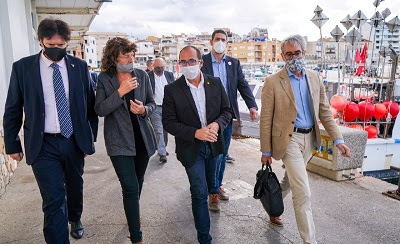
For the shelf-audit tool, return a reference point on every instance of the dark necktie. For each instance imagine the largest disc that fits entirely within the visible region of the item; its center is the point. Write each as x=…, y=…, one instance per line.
x=64, y=116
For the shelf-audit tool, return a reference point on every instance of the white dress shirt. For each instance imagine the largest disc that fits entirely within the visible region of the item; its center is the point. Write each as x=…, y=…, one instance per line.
x=51, y=122
x=159, y=83
x=199, y=97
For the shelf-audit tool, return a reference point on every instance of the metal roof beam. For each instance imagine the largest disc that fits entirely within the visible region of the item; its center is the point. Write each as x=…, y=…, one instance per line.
x=76, y=38
x=79, y=28
x=80, y=11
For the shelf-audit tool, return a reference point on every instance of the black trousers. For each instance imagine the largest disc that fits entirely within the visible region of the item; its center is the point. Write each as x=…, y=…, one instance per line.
x=130, y=171
x=58, y=171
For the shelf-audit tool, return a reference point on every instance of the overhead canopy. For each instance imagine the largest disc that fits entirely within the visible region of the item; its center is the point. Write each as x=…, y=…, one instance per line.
x=78, y=14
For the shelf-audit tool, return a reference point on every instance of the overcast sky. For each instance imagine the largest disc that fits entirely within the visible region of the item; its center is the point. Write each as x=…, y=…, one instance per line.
x=142, y=18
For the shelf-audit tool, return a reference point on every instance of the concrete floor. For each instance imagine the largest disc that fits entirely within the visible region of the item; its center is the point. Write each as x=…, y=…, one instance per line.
x=344, y=212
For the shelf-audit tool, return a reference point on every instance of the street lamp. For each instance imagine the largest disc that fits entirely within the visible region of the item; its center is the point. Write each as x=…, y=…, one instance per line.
x=337, y=34
x=319, y=20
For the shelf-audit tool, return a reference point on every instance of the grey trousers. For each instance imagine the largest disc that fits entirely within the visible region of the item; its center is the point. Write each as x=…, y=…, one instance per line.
x=161, y=134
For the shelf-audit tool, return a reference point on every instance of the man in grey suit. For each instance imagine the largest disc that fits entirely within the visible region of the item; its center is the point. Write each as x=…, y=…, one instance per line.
x=159, y=78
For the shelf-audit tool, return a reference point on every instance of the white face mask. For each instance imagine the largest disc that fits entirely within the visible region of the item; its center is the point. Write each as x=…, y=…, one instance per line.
x=219, y=47
x=190, y=72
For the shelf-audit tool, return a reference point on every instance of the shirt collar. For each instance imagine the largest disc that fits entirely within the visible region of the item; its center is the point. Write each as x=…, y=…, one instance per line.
x=303, y=73
x=159, y=77
x=213, y=60
x=48, y=62
x=201, y=82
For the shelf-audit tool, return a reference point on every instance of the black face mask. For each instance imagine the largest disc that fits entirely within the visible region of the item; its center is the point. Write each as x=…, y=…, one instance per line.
x=159, y=70
x=55, y=53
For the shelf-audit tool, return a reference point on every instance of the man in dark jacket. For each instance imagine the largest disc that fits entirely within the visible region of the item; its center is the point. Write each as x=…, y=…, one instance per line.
x=196, y=111
x=159, y=78
x=228, y=69
x=53, y=93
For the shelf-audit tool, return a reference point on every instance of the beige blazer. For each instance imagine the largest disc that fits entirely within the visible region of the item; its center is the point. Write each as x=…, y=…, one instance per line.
x=278, y=112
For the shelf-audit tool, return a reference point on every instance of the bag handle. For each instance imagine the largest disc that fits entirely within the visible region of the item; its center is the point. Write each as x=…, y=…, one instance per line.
x=266, y=167
x=257, y=188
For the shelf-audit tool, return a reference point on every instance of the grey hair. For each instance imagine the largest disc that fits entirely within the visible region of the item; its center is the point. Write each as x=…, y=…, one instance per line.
x=292, y=40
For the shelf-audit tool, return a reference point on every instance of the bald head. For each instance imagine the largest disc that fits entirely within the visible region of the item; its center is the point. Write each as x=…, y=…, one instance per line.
x=159, y=62
x=159, y=66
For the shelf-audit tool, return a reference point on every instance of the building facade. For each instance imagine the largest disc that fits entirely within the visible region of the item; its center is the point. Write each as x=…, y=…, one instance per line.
x=90, y=51
x=256, y=52
x=101, y=39
x=383, y=38
x=145, y=51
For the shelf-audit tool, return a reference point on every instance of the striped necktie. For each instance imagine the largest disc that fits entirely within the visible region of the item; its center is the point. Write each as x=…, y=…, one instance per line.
x=64, y=116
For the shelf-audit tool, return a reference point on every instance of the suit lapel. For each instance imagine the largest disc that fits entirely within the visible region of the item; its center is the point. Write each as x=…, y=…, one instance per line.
x=189, y=96
x=170, y=78
x=115, y=84
x=72, y=76
x=285, y=82
x=313, y=92
x=137, y=92
x=208, y=90
x=152, y=80
x=37, y=81
x=208, y=64
x=229, y=73
x=312, y=89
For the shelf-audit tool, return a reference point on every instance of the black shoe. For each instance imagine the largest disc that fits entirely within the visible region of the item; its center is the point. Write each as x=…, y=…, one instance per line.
x=163, y=159
x=76, y=229
x=229, y=159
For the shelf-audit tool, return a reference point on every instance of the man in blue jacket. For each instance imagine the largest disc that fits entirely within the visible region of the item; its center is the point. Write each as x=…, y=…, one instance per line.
x=51, y=94
x=228, y=69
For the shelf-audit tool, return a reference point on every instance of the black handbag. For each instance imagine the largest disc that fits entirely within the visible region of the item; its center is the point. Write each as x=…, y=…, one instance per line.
x=269, y=191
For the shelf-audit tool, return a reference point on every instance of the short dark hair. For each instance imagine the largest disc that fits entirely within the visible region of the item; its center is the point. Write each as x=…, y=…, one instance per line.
x=50, y=27
x=193, y=47
x=218, y=31
x=113, y=48
x=149, y=61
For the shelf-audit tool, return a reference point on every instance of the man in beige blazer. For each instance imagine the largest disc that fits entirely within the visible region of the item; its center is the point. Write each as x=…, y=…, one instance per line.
x=293, y=100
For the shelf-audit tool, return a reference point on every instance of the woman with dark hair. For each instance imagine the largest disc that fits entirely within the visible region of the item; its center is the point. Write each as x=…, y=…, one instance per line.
x=124, y=97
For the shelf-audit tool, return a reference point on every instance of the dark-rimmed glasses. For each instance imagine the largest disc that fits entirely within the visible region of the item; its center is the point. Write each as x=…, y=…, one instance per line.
x=297, y=54
x=190, y=62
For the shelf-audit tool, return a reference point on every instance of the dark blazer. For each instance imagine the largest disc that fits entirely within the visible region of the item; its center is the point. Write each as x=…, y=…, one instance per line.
x=94, y=77
x=180, y=117
x=235, y=81
x=118, y=130
x=168, y=75
x=25, y=97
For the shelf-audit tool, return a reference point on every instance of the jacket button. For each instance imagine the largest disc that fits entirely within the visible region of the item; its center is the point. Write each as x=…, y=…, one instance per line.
x=292, y=122
x=290, y=135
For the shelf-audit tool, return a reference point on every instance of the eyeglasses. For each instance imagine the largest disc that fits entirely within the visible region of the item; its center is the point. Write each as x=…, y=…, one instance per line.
x=297, y=54
x=190, y=62
x=127, y=56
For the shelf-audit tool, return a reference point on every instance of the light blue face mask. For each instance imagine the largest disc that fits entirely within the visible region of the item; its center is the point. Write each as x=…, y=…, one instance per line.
x=125, y=68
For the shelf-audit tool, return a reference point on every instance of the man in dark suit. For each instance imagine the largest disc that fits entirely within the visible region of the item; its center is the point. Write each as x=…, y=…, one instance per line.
x=93, y=75
x=149, y=65
x=52, y=95
x=196, y=111
x=228, y=69
x=159, y=78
